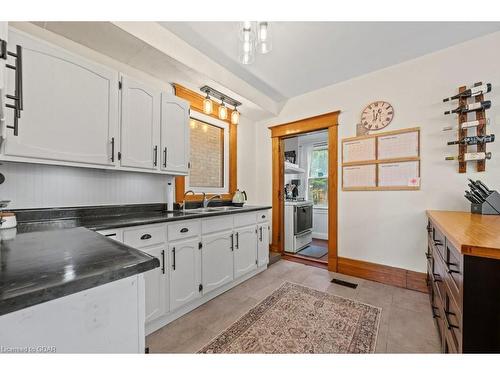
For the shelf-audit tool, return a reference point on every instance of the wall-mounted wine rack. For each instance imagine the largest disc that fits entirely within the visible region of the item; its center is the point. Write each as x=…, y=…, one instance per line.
x=480, y=115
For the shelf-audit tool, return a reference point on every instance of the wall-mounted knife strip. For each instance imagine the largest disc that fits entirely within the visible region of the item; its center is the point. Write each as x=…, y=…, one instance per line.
x=481, y=131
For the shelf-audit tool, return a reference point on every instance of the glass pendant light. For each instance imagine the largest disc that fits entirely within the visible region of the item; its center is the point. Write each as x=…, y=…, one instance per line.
x=207, y=105
x=264, y=44
x=222, y=111
x=246, y=53
x=235, y=116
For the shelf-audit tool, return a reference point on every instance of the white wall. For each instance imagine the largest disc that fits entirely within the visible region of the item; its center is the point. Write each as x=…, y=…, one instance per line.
x=30, y=186
x=389, y=227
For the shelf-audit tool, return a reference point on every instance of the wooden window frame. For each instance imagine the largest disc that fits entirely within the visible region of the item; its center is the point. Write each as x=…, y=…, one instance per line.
x=329, y=122
x=196, y=104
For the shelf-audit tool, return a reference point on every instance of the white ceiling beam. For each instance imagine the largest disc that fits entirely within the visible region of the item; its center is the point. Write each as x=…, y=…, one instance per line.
x=167, y=42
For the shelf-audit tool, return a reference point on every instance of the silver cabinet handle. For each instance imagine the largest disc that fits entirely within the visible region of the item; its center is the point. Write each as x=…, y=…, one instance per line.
x=173, y=258
x=237, y=240
x=165, y=157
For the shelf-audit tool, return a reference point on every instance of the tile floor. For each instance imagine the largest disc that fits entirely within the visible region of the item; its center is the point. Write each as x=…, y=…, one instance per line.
x=406, y=323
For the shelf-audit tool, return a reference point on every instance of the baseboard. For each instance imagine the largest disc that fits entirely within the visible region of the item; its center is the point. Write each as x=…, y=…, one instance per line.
x=320, y=236
x=383, y=274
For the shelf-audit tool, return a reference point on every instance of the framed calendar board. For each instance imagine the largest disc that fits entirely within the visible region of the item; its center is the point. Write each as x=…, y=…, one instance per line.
x=383, y=161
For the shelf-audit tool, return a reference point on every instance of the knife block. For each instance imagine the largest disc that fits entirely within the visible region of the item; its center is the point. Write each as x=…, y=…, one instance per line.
x=491, y=205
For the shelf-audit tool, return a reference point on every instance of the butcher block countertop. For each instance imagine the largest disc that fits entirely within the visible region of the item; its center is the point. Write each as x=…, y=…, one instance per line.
x=471, y=234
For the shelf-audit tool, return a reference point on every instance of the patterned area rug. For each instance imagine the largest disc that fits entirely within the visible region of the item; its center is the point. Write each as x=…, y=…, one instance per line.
x=297, y=319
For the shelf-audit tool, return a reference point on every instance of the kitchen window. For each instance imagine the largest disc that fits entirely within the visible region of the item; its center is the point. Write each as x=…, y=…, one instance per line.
x=317, y=176
x=209, y=145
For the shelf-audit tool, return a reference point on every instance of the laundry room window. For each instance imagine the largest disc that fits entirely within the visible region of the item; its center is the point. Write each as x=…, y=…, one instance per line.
x=317, y=180
x=208, y=154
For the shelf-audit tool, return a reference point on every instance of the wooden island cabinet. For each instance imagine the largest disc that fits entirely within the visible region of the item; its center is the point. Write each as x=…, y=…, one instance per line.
x=463, y=277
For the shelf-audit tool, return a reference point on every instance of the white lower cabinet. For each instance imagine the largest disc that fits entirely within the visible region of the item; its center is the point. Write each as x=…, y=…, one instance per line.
x=245, y=250
x=217, y=260
x=262, y=244
x=156, y=286
x=185, y=272
x=199, y=259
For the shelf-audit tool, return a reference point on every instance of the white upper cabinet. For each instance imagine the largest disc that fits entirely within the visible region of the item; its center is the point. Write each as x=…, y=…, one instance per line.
x=245, y=250
x=70, y=105
x=217, y=260
x=174, y=134
x=140, y=124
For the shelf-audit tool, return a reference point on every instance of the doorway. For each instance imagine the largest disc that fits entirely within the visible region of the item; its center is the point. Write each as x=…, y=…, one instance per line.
x=305, y=189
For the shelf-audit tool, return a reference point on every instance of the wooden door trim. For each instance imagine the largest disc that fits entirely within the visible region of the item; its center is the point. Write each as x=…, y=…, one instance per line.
x=196, y=104
x=329, y=122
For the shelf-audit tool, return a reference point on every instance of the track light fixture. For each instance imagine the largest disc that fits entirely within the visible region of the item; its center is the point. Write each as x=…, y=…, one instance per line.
x=223, y=111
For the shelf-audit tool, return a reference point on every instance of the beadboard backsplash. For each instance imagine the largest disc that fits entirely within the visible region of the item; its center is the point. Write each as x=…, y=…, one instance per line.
x=36, y=186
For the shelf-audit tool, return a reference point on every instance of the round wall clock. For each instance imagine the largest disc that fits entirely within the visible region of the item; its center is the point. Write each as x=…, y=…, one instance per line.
x=377, y=115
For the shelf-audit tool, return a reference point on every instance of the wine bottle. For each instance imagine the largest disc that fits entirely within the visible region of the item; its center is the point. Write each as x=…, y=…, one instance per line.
x=474, y=140
x=471, y=107
x=468, y=124
x=473, y=91
x=469, y=156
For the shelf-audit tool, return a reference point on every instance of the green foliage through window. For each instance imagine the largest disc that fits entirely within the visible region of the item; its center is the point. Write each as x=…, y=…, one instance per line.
x=318, y=176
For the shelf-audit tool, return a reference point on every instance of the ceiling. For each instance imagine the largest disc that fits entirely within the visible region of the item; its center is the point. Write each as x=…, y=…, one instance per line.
x=309, y=55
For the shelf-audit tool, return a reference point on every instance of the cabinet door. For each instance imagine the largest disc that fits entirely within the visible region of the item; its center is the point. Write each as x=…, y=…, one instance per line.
x=140, y=124
x=70, y=105
x=185, y=272
x=156, y=282
x=263, y=244
x=3, y=36
x=245, y=250
x=216, y=260
x=174, y=134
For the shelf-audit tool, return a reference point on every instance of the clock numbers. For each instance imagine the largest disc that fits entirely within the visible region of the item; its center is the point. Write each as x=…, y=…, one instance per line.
x=377, y=115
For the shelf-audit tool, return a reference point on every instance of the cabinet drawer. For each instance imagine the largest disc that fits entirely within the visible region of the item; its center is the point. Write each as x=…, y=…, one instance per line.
x=142, y=236
x=453, y=262
x=453, y=321
x=242, y=220
x=217, y=224
x=438, y=276
x=439, y=242
x=262, y=216
x=303, y=240
x=183, y=229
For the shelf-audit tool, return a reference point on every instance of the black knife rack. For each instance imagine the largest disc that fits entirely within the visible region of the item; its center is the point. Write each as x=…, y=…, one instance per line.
x=490, y=206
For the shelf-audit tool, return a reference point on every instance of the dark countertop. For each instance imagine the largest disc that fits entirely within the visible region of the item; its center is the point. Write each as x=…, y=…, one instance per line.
x=56, y=251
x=41, y=266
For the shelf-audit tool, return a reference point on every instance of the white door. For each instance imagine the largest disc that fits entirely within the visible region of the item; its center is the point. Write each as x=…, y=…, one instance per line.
x=185, y=272
x=174, y=134
x=216, y=260
x=245, y=250
x=156, y=285
x=140, y=124
x=70, y=105
x=262, y=244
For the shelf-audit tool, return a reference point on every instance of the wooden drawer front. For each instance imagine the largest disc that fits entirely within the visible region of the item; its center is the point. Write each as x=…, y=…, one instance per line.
x=454, y=271
x=438, y=275
x=453, y=320
x=217, y=224
x=437, y=310
x=183, y=229
x=262, y=216
x=439, y=242
x=146, y=235
x=242, y=220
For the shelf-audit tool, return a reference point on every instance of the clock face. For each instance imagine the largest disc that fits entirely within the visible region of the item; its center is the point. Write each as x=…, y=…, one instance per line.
x=377, y=115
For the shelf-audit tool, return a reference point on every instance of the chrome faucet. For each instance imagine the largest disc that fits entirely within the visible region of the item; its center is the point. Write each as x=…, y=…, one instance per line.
x=206, y=201
x=184, y=200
